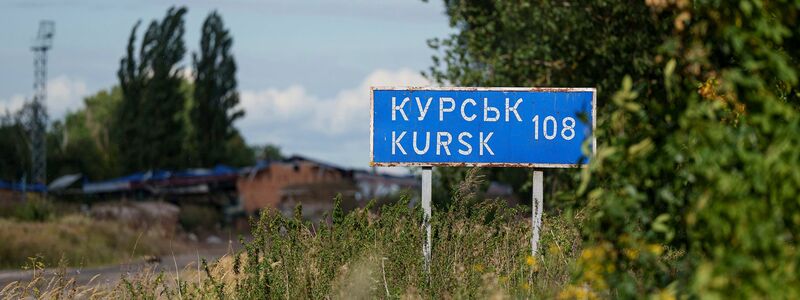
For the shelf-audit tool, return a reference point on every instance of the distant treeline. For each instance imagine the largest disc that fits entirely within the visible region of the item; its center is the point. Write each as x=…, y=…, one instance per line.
x=159, y=116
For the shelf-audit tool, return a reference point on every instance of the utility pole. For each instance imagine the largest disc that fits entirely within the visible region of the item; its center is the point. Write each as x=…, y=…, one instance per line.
x=37, y=120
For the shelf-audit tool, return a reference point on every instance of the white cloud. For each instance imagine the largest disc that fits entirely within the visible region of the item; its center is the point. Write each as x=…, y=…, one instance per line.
x=12, y=104
x=333, y=129
x=63, y=94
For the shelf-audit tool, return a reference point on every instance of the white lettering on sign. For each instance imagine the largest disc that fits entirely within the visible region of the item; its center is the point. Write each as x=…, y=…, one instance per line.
x=443, y=143
x=427, y=143
x=484, y=143
x=463, y=106
x=396, y=108
x=463, y=142
x=510, y=109
x=423, y=111
x=487, y=109
x=443, y=110
x=550, y=125
x=546, y=126
x=396, y=142
x=568, y=128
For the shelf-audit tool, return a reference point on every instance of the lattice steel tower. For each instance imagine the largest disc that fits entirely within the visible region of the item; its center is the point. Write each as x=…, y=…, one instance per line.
x=37, y=119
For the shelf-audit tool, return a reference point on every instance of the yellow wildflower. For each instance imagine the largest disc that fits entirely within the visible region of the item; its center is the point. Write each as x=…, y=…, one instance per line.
x=478, y=268
x=631, y=253
x=656, y=249
x=664, y=294
x=576, y=292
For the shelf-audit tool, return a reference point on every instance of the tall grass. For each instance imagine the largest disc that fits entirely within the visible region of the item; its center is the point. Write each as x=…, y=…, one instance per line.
x=480, y=249
x=74, y=239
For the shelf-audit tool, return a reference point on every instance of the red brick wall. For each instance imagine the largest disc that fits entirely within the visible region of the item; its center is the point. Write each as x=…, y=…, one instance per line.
x=263, y=189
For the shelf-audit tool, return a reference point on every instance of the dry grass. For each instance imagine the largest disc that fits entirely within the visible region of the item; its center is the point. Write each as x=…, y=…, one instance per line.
x=75, y=240
x=481, y=250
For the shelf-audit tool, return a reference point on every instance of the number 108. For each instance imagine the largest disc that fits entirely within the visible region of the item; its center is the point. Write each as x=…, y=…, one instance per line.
x=550, y=128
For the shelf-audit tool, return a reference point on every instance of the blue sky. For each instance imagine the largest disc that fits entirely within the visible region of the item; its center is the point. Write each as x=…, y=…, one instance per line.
x=304, y=66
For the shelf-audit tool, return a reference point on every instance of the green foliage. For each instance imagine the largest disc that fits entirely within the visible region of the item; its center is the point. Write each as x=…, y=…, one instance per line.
x=167, y=122
x=479, y=251
x=81, y=143
x=154, y=118
x=711, y=171
x=194, y=217
x=77, y=239
x=150, y=130
x=14, y=154
x=215, y=96
x=694, y=187
x=237, y=152
x=545, y=44
x=268, y=152
x=34, y=209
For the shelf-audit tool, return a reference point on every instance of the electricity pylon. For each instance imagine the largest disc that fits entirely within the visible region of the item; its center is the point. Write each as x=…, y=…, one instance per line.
x=37, y=120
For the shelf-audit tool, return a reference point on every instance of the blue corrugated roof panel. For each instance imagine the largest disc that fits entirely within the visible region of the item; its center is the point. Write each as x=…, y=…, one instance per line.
x=19, y=186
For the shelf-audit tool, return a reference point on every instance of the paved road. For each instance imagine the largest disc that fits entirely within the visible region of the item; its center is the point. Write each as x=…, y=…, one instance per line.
x=112, y=273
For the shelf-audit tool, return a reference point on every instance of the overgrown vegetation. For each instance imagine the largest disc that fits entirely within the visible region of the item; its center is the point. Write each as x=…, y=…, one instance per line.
x=694, y=189
x=480, y=249
x=693, y=192
x=33, y=209
x=75, y=240
x=199, y=217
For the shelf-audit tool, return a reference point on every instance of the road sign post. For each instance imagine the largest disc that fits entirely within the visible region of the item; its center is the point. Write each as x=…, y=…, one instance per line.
x=537, y=203
x=426, y=216
x=485, y=127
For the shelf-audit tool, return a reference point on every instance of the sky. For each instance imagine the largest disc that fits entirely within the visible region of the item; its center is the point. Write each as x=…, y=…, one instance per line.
x=304, y=67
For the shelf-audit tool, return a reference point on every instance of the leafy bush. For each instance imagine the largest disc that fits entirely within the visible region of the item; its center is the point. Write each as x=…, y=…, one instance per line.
x=193, y=217
x=33, y=209
x=694, y=189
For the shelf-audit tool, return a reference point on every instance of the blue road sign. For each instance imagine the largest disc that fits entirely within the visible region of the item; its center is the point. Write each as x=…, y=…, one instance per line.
x=524, y=127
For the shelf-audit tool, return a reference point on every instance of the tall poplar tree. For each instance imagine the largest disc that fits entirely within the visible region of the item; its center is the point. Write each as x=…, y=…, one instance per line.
x=149, y=129
x=215, y=97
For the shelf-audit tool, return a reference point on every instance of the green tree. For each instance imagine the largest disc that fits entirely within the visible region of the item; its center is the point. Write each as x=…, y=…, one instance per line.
x=238, y=153
x=268, y=152
x=215, y=100
x=545, y=44
x=81, y=143
x=150, y=128
x=14, y=154
x=693, y=190
x=702, y=180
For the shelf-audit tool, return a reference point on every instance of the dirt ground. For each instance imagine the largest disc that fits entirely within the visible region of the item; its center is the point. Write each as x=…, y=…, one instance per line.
x=190, y=257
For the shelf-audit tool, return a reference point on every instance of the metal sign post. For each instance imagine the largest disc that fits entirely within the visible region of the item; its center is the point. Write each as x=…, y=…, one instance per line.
x=536, y=208
x=426, y=218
